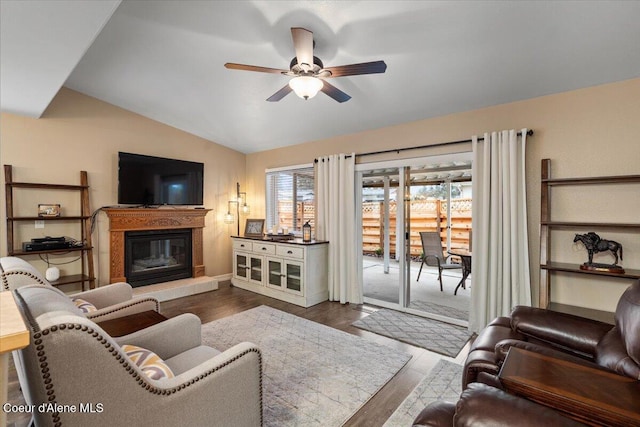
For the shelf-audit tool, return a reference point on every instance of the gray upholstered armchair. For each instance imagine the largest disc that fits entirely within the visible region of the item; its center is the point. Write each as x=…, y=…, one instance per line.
x=73, y=363
x=111, y=301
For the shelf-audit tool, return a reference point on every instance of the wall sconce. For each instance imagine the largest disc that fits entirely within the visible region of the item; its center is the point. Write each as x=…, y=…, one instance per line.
x=241, y=207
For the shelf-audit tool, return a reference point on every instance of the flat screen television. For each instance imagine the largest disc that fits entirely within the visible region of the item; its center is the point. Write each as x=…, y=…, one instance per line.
x=149, y=181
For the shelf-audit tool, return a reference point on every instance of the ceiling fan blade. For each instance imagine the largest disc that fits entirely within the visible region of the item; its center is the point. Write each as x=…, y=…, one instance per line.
x=280, y=94
x=303, y=44
x=356, y=69
x=244, y=67
x=334, y=92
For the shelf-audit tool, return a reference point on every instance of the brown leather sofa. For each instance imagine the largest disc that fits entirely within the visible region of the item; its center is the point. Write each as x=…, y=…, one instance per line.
x=482, y=405
x=615, y=347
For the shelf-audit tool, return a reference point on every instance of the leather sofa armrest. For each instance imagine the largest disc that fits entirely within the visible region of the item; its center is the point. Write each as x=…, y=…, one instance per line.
x=482, y=405
x=502, y=348
x=572, y=333
x=184, y=330
x=436, y=414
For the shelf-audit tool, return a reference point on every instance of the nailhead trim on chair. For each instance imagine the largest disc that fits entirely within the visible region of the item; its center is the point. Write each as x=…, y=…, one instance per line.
x=44, y=367
x=5, y=282
x=136, y=302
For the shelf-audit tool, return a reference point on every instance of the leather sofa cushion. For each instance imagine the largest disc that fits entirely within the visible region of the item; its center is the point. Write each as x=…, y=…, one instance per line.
x=611, y=354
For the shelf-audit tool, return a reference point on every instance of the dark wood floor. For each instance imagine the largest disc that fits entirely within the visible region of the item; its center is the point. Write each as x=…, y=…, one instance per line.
x=229, y=300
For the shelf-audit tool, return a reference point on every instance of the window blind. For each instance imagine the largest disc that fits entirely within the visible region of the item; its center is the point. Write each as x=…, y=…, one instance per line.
x=290, y=199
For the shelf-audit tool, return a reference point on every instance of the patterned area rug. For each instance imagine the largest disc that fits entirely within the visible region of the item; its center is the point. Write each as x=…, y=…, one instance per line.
x=440, y=309
x=436, y=336
x=444, y=382
x=314, y=375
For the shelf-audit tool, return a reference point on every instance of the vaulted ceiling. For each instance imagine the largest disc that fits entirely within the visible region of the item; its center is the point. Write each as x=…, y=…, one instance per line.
x=165, y=59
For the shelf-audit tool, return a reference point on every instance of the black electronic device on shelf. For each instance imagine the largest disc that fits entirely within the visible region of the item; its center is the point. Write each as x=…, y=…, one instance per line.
x=50, y=243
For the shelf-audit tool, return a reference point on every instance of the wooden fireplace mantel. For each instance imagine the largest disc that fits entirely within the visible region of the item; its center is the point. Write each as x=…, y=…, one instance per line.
x=122, y=220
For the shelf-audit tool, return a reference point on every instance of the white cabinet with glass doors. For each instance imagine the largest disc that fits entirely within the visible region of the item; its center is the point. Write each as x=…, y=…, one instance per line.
x=292, y=272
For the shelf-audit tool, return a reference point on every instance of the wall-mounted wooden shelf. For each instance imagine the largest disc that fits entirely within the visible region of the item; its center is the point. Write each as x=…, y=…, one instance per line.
x=547, y=266
x=574, y=268
x=619, y=179
x=48, y=218
x=570, y=224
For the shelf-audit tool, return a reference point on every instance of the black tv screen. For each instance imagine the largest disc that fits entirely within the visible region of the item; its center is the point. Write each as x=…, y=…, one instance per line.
x=148, y=181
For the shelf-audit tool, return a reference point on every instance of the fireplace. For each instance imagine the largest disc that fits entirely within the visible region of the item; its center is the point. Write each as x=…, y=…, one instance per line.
x=154, y=252
x=157, y=256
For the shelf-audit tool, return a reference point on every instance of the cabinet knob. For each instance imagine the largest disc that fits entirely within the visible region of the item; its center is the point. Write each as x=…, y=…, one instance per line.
x=289, y=252
x=264, y=249
x=242, y=246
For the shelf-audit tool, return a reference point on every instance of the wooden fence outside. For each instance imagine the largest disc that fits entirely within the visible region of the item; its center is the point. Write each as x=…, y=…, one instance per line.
x=304, y=212
x=426, y=215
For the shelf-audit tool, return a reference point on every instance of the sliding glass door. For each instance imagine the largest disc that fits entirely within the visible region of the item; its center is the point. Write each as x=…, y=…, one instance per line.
x=398, y=201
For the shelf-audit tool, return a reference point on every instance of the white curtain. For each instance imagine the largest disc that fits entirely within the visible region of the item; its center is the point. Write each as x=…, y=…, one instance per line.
x=335, y=222
x=500, y=245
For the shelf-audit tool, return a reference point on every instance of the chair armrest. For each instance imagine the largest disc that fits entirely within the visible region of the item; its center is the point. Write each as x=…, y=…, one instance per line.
x=126, y=308
x=573, y=333
x=227, y=357
x=105, y=296
x=227, y=387
x=436, y=414
x=502, y=348
x=481, y=404
x=183, y=330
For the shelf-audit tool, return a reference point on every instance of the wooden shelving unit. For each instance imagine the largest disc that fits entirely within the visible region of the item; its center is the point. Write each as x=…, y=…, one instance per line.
x=86, y=251
x=547, y=266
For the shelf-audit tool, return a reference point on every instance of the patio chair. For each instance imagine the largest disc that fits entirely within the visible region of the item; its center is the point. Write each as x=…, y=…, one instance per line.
x=433, y=255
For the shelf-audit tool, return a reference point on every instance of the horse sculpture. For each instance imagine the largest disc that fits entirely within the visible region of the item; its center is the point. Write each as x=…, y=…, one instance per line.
x=594, y=244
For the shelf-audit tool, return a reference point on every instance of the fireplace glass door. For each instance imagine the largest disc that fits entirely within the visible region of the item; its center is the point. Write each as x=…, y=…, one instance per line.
x=157, y=256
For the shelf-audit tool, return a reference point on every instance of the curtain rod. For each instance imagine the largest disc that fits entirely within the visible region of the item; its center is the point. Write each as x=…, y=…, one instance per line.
x=439, y=144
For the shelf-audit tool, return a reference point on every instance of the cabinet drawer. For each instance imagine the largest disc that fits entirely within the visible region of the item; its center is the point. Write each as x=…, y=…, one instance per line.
x=290, y=252
x=264, y=248
x=242, y=244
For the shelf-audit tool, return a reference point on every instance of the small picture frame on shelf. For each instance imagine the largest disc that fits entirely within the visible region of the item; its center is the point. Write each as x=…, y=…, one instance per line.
x=254, y=228
x=48, y=210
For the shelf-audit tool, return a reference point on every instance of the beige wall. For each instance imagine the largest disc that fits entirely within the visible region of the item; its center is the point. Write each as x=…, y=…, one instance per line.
x=77, y=133
x=588, y=132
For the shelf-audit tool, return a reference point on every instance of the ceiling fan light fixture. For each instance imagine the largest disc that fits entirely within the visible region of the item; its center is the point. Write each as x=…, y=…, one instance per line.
x=305, y=86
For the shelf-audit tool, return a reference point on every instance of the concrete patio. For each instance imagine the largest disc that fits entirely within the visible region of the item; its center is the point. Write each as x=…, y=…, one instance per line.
x=425, y=295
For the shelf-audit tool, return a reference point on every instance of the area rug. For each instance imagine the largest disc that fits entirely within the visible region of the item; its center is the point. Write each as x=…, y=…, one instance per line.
x=442, y=310
x=313, y=375
x=444, y=382
x=439, y=337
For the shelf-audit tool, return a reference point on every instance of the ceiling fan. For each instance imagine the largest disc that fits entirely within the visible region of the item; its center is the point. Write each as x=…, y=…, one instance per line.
x=309, y=73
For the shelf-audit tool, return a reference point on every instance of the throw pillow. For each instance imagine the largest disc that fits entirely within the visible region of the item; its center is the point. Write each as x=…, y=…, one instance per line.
x=149, y=362
x=83, y=305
